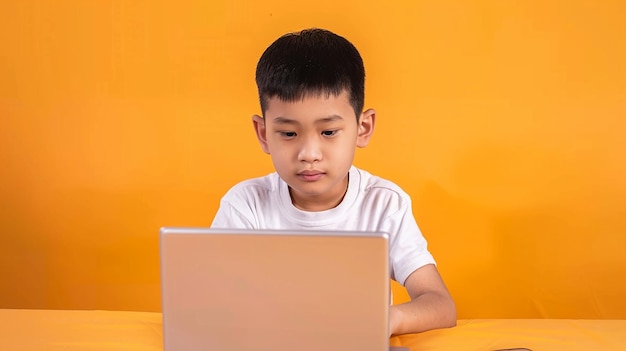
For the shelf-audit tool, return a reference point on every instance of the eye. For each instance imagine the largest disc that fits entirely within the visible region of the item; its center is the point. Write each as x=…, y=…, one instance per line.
x=329, y=132
x=287, y=134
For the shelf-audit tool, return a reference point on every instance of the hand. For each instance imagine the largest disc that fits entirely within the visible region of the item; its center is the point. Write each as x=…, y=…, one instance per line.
x=394, y=320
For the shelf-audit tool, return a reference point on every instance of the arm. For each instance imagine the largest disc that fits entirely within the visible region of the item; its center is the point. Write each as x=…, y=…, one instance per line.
x=431, y=306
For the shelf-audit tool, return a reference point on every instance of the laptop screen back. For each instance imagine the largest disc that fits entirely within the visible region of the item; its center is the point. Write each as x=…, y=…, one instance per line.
x=274, y=290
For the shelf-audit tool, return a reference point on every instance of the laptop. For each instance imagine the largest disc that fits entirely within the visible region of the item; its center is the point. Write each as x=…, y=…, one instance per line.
x=245, y=290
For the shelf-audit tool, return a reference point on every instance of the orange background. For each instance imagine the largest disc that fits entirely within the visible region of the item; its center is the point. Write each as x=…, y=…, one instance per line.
x=504, y=120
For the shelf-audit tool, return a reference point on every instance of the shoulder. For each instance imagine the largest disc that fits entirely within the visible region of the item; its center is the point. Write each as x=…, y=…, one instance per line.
x=253, y=189
x=383, y=191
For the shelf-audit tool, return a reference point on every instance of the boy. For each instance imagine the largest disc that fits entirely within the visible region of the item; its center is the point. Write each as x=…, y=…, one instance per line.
x=311, y=88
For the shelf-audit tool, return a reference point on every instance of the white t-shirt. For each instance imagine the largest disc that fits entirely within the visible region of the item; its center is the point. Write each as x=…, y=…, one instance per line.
x=370, y=204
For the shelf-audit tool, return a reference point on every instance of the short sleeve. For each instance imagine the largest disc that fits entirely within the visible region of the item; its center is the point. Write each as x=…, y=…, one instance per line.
x=408, y=249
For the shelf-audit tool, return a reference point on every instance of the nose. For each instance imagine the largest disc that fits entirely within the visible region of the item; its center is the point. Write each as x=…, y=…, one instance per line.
x=310, y=150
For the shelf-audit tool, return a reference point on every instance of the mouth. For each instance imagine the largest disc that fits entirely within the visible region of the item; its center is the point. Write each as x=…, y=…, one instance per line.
x=310, y=176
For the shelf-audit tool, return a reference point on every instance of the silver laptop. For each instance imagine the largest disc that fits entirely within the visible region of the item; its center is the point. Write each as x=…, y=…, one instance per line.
x=274, y=290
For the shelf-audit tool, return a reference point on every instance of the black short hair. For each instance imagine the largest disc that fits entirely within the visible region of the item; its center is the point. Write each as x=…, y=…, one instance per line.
x=312, y=61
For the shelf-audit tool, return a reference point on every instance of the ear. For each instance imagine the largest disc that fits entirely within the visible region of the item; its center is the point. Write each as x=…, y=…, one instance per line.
x=259, y=128
x=366, y=127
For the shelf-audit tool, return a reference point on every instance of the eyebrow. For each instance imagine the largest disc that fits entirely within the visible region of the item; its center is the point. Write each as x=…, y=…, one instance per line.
x=289, y=121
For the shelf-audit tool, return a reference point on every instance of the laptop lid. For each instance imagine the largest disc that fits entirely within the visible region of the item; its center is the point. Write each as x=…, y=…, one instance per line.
x=274, y=290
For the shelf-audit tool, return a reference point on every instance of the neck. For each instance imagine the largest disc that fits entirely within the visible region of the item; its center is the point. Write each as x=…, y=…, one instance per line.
x=318, y=203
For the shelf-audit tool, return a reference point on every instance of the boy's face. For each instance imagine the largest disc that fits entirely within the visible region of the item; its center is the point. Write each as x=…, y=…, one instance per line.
x=312, y=144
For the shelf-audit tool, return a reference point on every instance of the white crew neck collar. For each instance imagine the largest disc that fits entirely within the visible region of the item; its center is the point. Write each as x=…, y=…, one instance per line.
x=319, y=218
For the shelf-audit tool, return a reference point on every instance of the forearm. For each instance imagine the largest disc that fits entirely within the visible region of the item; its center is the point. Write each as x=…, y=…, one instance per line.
x=430, y=310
